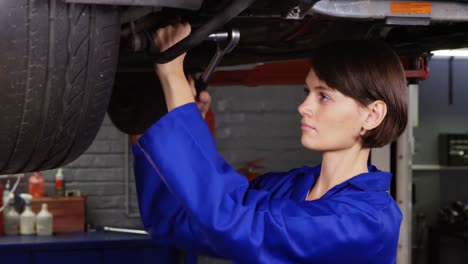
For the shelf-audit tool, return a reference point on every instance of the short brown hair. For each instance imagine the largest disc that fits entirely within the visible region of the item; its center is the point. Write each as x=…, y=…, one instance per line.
x=367, y=70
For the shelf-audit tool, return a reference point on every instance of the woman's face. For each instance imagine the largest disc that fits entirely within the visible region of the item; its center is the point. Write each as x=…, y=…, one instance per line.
x=330, y=121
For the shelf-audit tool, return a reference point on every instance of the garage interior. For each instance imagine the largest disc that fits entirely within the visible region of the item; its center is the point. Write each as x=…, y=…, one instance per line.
x=87, y=210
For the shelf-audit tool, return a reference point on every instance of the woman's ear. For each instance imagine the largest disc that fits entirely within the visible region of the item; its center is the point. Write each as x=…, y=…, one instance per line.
x=375, y=114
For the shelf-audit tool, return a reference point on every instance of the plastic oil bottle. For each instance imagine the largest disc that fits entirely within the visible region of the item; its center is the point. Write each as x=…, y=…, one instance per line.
x=36, y=185
x=12, y=218
x=28, y=217
x=44, y=222
x=59, y=186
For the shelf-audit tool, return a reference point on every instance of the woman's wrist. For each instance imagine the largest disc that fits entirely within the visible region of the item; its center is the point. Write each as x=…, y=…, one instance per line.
x=177, y=91
x=170, y=69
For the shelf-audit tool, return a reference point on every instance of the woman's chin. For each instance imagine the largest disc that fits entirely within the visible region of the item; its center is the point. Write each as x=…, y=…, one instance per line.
x=311, y=145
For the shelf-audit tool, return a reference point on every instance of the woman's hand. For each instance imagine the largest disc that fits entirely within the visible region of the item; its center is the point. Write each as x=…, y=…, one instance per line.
x=171, y=73
x=204, y=102
x=166, y=37
x=204, y=99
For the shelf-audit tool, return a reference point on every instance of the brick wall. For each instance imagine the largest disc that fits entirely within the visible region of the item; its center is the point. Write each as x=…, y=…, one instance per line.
x=260, y=122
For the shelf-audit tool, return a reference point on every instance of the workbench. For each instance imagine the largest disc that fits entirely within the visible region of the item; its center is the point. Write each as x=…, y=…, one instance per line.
x=84, y=248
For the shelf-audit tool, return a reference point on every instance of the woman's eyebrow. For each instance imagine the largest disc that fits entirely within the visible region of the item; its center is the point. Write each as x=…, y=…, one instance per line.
x=321, y=88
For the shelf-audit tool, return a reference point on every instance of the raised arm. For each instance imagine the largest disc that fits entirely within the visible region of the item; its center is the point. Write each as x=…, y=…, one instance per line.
x=177, y=90
x=161, y=212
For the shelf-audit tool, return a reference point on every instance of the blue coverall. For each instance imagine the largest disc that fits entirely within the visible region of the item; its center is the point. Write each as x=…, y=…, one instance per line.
x=191, y=197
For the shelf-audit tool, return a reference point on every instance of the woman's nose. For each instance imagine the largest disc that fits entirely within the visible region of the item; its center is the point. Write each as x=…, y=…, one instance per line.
x=302, y=108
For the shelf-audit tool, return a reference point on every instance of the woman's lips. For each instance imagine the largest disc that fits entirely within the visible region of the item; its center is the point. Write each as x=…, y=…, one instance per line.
x=307, y=127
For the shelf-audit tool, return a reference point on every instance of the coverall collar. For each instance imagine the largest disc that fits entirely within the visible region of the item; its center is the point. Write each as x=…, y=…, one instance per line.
x=374, y=180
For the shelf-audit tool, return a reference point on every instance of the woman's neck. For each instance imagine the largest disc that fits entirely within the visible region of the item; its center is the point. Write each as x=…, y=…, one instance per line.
x=337, y=167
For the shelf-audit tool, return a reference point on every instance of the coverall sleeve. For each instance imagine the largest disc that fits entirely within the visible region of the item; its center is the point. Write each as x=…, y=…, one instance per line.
x=162, y=215
x=245, y=224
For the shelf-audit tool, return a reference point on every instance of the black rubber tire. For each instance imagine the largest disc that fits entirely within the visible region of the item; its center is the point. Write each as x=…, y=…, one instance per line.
x=57, y=64
x=137, y=102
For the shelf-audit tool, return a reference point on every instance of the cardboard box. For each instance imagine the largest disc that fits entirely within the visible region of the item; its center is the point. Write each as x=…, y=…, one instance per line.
x=68, y=212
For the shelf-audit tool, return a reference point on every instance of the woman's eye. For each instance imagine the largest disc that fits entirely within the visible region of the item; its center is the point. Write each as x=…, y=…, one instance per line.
x=324, y=97
x=306, y=91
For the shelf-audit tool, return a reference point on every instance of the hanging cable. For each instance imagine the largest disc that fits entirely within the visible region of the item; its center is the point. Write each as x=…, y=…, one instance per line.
x=13, y=189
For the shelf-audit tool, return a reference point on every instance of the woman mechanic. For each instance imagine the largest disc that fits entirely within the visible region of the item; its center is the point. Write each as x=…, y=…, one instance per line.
x=339, y=211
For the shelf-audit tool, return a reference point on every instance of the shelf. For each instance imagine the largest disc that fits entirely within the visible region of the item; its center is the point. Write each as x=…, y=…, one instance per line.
x=435, y=167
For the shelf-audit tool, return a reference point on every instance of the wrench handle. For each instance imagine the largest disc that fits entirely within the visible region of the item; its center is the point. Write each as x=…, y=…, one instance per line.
x=200, y=86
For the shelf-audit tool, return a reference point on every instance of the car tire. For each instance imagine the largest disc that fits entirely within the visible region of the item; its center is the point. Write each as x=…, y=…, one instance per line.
x=137, y=102
x=57, y=64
